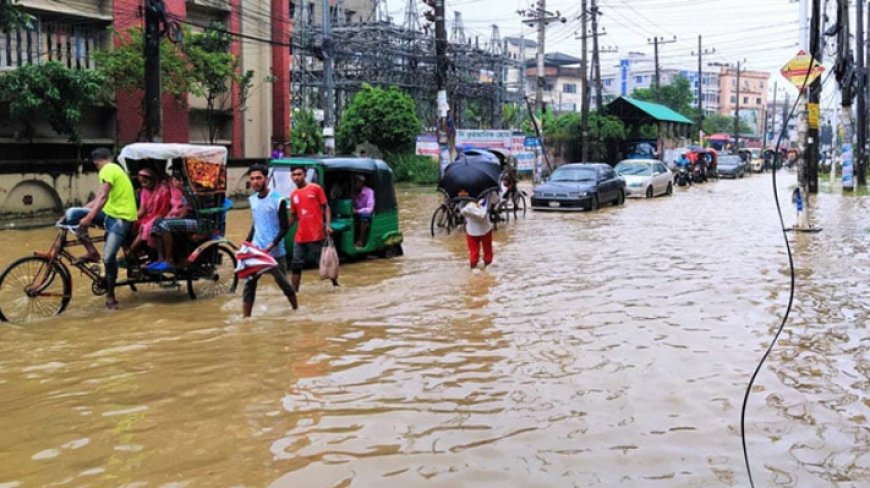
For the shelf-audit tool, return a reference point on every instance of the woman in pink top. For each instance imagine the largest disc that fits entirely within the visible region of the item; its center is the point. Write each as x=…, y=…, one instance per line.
x=363, y=207
x=153, y=204
x=179, y=219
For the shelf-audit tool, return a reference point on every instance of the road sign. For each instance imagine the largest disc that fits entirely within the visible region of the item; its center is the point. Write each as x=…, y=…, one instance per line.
x=802, y=70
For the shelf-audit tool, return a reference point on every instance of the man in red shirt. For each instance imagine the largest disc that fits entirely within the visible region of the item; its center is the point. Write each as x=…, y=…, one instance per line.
x=309, y=207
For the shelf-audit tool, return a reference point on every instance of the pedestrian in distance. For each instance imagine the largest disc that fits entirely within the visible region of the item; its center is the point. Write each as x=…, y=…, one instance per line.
x=308, y=207
x=269, y=225
x=478, y=232
x=363, y=207
x=114, y=209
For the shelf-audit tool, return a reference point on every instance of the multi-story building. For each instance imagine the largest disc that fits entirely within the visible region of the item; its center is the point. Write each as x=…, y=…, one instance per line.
x=752, y=94
x=71, y=32
x=519, y=51
x=637, y=70
x=562, y=82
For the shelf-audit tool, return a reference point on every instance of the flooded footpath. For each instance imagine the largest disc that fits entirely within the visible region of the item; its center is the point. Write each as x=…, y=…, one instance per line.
x=601, y=349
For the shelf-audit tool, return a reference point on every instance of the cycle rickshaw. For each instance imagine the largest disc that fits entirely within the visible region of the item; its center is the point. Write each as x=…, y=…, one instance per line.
x=41, y=285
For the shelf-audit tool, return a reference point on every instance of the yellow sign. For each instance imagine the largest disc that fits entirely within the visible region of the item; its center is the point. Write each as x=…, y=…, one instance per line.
x=802, y=70
x=813, y=115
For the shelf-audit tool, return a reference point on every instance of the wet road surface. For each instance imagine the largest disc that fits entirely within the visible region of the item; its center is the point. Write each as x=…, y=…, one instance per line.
x=601, y=349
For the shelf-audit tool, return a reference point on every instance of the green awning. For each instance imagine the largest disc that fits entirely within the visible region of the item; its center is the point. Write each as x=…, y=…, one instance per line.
x=632, y=110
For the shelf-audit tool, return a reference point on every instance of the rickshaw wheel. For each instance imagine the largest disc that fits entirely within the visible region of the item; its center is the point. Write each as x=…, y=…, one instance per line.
x=441, y=221
x=213, y=273
x=29, y=290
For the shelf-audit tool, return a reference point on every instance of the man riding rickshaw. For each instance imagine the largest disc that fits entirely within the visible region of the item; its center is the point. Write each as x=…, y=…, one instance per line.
x=40, y=285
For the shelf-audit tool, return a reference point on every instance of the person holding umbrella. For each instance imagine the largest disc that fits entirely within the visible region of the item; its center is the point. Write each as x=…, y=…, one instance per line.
x=478, y=231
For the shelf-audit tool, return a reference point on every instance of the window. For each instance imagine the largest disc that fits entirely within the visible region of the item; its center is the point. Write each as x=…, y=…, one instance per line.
x=638, y=79
x=733, y=99
x=62, y=39
x=745, y=100
x=569, y=88
x=758, y=101
x=607, y=82
x=733, y=83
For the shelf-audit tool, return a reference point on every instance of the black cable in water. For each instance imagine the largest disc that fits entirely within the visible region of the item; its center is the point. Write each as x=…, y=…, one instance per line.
x=791, y=286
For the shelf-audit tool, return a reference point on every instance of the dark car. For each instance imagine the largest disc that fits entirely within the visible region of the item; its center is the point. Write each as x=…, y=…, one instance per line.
x=731, y=167
x=579, y=186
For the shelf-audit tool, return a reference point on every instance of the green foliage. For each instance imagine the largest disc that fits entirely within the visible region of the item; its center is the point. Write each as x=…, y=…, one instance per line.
x=124, y=66
x=564, y=139
x=513, y=115
x=421, y=170
x=386, y=118
x=677, y=96
x=51, y=91
x=306, y=136
x=213, y=69
x=718, y=123
x=201, y=66
x=12, y=16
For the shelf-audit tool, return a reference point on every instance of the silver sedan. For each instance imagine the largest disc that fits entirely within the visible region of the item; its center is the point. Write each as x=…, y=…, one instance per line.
x=645, y=177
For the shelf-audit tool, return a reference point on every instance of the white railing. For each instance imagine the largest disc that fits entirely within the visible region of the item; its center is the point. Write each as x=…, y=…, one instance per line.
x=68, y=42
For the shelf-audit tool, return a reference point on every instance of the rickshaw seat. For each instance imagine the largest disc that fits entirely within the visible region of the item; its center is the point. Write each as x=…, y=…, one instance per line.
x=342, y=225
x=342, y=208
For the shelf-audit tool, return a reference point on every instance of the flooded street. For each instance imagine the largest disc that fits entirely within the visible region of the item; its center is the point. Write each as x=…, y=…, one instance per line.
x=601, y=349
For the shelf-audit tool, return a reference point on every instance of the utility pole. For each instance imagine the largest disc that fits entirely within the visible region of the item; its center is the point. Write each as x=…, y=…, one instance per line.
x=437, y=15
x=737, y=112
x=773, y=118
x=596, y=60
x=655, y=42
x=701, y=86
x=539, y=17
x=861, y=129
x=815, y=98
x=584, y=86
x=155, y=16
x=328, y=82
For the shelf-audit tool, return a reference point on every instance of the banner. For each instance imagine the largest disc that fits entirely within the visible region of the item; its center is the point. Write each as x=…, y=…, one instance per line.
x=848, y=169
x=427, y=146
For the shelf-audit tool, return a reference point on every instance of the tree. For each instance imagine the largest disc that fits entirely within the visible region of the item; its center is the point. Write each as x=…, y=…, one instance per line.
x=12, y=16
x=677, y=96
x=718, y=123
x=201, y=66
x=386, y=118
x=305, y=136
x=124, y=66
x=51, y=91
x=213, y=69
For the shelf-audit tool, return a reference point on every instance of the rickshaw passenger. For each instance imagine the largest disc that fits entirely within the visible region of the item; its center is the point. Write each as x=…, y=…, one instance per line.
x=154, y=203
x=269, y=225
x=179, y=219
x=114, y=208
x=363, y=207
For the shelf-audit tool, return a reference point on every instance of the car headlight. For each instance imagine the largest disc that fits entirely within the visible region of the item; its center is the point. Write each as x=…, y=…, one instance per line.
x=583, y=194
x=536, y=193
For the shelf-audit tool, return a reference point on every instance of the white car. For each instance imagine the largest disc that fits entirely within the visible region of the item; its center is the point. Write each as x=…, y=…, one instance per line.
x=645, y=177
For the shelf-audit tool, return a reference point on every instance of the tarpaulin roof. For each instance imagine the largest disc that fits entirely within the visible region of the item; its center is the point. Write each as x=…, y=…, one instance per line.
x=632, y=110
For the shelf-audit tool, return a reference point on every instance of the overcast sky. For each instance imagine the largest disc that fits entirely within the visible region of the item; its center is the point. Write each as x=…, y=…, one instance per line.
x=763, y=33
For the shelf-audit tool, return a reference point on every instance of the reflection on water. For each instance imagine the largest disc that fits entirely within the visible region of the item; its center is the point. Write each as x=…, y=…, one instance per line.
x=600, y=349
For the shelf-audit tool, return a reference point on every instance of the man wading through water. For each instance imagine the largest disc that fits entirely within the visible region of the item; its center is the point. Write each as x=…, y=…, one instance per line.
x=309, y=207
x=269, y=225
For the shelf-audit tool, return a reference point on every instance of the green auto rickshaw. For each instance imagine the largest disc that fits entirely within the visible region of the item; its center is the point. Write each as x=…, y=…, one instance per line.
x=336, y=175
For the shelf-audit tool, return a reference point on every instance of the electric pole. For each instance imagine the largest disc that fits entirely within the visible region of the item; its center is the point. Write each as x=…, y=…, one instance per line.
x=584, y=86
x=861, y=128
x=328, y=82
x=655, y=42
x=155, y=18
x=539, y=17
x=596, y=60
x=701, y=87
x=737, y=112
x=437, y=16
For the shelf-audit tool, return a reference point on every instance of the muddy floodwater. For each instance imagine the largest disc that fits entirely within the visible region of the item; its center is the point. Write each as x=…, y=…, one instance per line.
x=601, y=349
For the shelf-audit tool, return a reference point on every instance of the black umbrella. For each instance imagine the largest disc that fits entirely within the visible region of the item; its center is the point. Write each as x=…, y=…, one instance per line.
x=471, y=175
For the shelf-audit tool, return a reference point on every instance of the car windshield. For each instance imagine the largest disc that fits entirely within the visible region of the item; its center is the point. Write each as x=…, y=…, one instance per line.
x=729, y=162
x=633, y=169
x=573, y=174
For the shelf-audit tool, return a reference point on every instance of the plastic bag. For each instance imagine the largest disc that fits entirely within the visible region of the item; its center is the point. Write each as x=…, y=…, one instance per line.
x=329, y=262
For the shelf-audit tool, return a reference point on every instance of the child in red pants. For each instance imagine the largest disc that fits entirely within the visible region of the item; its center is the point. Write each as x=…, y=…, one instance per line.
x=478, y=231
